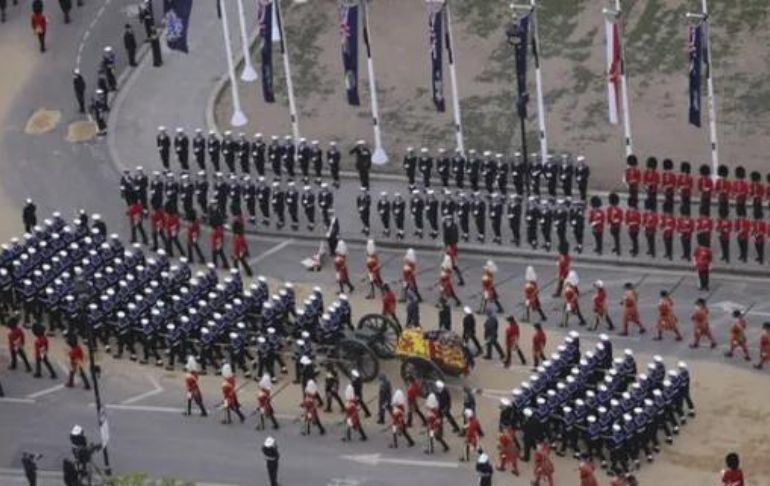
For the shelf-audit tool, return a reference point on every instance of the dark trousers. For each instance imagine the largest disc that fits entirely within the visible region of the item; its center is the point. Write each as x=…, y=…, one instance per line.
x=724, y=243
x=493, y=344
x=703, y=279
x=414, y=408
x=71, y=380
x=43, y=360
x=172, y=241
x=41, y=40
x=759, y=246
x=243, y=261
x=23, y=355
x=272, y=472
x=138, y=227
x=615, y=232
x=686, y=246
x=743, y=250
x=194, y=248
x=448, y=416
x=518, y=352
x=219, y=255
x=650, y=235
x=198, y=401
x=598, y=241
x=332, y=394
x=131, y=57
x=668, y=246
x=472, y=338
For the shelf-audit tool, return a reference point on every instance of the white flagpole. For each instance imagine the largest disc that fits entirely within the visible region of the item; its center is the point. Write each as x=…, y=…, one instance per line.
x=539, y=83
x=624, y=82
x=379, y=156
x=287, y=69
x=239, y=118
x=455, y=87
x=711, y=95
x=248, y=74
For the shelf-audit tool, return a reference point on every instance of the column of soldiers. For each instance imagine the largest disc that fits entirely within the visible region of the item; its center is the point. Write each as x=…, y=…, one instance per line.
x=538, y=196
x=734, y=196
x=597, y=406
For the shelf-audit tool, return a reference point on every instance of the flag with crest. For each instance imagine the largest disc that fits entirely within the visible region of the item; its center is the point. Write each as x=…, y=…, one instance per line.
x=177, y=20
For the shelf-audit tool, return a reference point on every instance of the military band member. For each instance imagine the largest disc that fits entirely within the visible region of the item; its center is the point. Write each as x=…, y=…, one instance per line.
x=383, y=208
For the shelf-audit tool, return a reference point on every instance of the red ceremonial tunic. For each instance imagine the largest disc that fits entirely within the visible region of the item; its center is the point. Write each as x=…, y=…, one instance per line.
x=191, y=384
x=389, y=302
x=667, y=320
x=217, y=237
x=240, y=247
x=532, y=295
x=264, y=402
x=565, y=261
x=596, y=219
x=41, y=346
x=685, y=184
x=632, y=177
x=633, y=220
x=373, y=269
x=570, y=295
x=229, y=395
x=668, y=225
x=600, y=302
x=685, y=225
x=76, y=357
x=587, y=476
x=651, y=180
x=472, y=432
x=351, y=414
x=538, y=341
x=732, y=477
x=15, y=338
x=488, y=285
x=310, y=408
x=614, y=216
x=193, y=231
x=341, y=268
x=630, y=310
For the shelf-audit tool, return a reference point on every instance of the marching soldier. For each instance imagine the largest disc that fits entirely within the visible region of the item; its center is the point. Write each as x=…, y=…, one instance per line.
x=258, y=149
x=409, y=275
x=76, y=361
x=703, y=228
x=458, y=169
x=278, y=204
x=705, y=187
x=578, y=221
x=668, y=227
x=650, y=223
x=740, y=189
x=373, y=269
x=601, y=312
x=561, y=217
x=685, y=226
x=193, y=389
x=274, y=151
x=341, y=267
x=496, y=217
x=702, y=261
x=479, y=208
x=399, y=208
x=363, y=162
x=214, y=148
x=264, y=199
x=582, y=174
x=551, y=175
x=448, y=206
x=417, y=208
x=596, y=219
x=756, y=193
x=443, y=167
x=317, y=160
x=432, y=213
x=532, y=295
x=451, y=238
x=216, y=219
x=764, y=347
x=199, y=149
x=474, y=170
x=667, y=319
x=571, y=296
x=383, y=208
x=188, y=193
x=288, y=155
x=243, y=153
x=41, y=351
x=489, y=171
x=182, y=148
x=292, y=204
x=229, y=395
x=651, y=181
x=398, y=426
x=724, y=229
x=326, y=204
x=738, y=335
x=566, y=173
x=352, y=419
x=701, y=327
x=425, y=166
x=171, y=226
x=447, y=290
x=502, y=174
x=140, y=186
x=615, y=220
x=303, y=158
x=228, y=151
x=512, y=334
x=759, y=231
x=163, y=142
x=535, y=174
x=264, y=403
x=240, y=247
x=514, y=218
x=193, y=233
x=249, y=191
x=630, y=306
x=331, y=388
x=743, y=229
x=333, y=158
x=684, y=185
x=668, y=183
x=488, y=290
x=464, y=215
x=308, y=204
x=136, y=219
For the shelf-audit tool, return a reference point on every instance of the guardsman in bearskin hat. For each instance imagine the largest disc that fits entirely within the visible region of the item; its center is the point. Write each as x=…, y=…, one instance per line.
x=757, y=194
x=668, y=183
x=684, y=185
x=615, y=220
x=651, y=181
x=596, y=219
x=723, y=189
x=740, y=189
x=706, y=188
x=632, y=176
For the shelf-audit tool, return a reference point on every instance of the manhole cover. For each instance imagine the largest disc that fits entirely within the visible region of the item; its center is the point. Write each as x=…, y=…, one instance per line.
x=42, y=121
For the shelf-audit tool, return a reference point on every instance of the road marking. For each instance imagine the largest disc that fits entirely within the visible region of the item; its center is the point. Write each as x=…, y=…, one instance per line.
x=16, y=400
x=271, y=251
x=141, y=408
x=46, y=391
x=375, y=459
x=87, y=33
x=157, y=389
x=10, y=471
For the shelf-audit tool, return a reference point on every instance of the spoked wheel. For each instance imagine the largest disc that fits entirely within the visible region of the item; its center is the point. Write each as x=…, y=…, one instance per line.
x=386, y=331
x=426, y=372
x=354, y=354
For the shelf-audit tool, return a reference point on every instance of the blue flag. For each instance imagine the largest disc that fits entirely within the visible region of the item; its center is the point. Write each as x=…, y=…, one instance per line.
x=177, y=17
x=521, y=39
x=695, y=47
x=265, y=21
x=435, y=28
x=349, y=32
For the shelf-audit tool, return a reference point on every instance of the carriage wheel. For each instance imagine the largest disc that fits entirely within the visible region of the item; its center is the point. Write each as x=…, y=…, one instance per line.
x=354, y=354
x=387, y=331
x=425, y=371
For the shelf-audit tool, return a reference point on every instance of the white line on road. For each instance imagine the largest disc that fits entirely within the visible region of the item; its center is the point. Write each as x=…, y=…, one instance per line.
x=271, y=251
x=87, y=33
x=46, y=391
x=141, y=408
x=18, y=472
x=157, y=389
x=16, y=400
x=375, y=459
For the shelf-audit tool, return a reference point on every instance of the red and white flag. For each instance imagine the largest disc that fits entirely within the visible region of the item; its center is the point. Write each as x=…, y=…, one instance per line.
x=614, y=69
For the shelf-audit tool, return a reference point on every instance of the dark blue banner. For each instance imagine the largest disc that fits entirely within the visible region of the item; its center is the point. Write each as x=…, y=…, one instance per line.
x=521, y=40
x=349, y=33
x=435, y=29
x=265, y=22
x=177, y=18
x=695, y=47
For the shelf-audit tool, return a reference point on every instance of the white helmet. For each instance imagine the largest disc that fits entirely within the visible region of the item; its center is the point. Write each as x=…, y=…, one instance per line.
x=342, y=248
x=350, y=394
x=311, y=388
x=191, y=365
x=227, y=371
x=432, y=401
x=411, y=256
x=398, y=398
x=530, y=274
x=370, y=248
x=447, y=263
x=572, y=278
x=490, y=266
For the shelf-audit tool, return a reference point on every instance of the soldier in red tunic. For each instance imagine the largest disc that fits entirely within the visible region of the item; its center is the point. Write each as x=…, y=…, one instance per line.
x=435, y=424
x=135, y=218
x=764, y=346
x=532, y=295
x=265, y=403
x=650, y=223
x=667, y=320
x=759, y=231
x=389, y=302
x=564, y=264
x=543, y=465
x=488, y=290
x=703, y=228
x=571, y=296
x=191, y=385
x=373, y=269
x=310, y=413
x=685, y=226
x=229, y=395
x=651, y=181
x=601, y=312
x=740, y=191
x=538, y=345
x=738, y=335
x=156, y=226
x=743, y=229
x=76, y=359
x=668, y=184
x=193, y=233
x=41, y=351
x=702, y=262
x=341, y=267
x=586, y=472
x=705, y=187
x=472, y=432
x=757, y=194
x=732, y=475
x=398, y=426
x=684, y=185
x=451, y=251
x=352, y=420
x=171, y=227
x=632, y=176
x=701, y=327
x=724, y=228
x=16, y=343
x=512, y=334
x=508, y=447
x=409, y=275
x=217, y=245
x=596, y=221
x=668, y=227
x=630, y=309
x=446, y=287
x=413, y=392
x=634, y=224
x=615, y=220
x=240, y=247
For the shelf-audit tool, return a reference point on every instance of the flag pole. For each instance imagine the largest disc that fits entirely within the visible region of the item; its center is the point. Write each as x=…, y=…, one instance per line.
x=539, y=85
x=711, y=95
x=628, y=141
x=239, y=118
x=379, y=157
x=455, y=87
x=249, y=74
x=287, y=69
